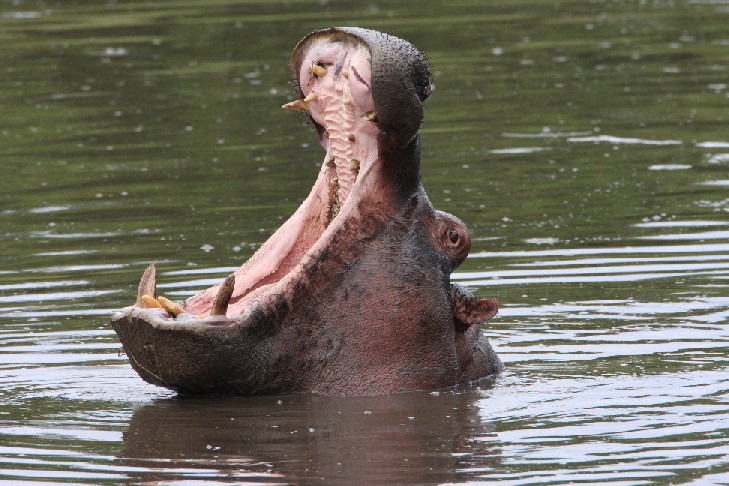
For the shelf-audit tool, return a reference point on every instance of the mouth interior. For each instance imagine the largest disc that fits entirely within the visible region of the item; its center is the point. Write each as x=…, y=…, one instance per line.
x=335, y=80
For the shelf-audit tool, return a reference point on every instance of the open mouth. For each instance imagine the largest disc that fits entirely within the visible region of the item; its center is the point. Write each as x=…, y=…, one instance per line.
x=333, y=76
x=352, y=294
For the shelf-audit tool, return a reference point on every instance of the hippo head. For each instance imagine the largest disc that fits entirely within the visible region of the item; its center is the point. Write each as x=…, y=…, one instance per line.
x=352, y=295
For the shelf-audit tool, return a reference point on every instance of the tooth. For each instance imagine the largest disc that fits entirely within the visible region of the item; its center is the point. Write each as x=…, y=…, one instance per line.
x=345, y=73
x=346, y=101
x=370, y=116
x=354, y=165
x=173, y=308
x=149, y=302
x=300, y=105
x=318, y=70
x=220, y=304
x=334, y=205
x=148, y=283
x=310, y=97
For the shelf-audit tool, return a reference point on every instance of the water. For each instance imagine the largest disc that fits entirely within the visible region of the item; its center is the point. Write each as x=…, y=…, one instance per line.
x=584, y=143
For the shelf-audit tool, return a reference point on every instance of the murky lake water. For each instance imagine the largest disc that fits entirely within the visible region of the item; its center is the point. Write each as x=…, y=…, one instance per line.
x=586, y=145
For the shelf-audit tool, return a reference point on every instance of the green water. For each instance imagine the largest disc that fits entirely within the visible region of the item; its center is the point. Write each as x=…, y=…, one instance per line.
x=585, y=144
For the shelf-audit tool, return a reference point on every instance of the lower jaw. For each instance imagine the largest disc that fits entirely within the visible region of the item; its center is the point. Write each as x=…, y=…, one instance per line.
x=282, y=259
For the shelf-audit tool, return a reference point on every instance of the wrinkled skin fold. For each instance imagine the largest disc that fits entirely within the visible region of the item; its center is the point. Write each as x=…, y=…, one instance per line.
x=352, y=295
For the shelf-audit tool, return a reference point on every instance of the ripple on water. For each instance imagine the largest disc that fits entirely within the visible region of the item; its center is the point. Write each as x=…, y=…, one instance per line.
x=717, y=158
x=623, y=140
x=634, y=427
x=713, y=144
x=719, y=183
x=617, y=353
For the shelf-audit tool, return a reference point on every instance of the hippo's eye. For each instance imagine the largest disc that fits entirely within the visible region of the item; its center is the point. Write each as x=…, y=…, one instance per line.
x=453, y=236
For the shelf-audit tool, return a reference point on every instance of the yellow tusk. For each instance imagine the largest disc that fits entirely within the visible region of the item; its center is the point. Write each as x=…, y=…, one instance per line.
x=171, y=307
x=311, y=97
x=318, y=70
x=150, y=302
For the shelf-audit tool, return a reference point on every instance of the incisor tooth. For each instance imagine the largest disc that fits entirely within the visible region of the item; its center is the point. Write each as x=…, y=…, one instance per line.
x=150, y=302
x=370, y=116
x=354, y=165
x=318, y=70
x=173, y=308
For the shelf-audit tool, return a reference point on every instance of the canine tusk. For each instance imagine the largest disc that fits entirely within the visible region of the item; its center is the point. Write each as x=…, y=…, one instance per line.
x=220, y=305
x=299, y=105
x=148, y=283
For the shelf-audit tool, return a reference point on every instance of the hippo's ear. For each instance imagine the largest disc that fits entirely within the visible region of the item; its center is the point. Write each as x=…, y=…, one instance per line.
x=469, y=310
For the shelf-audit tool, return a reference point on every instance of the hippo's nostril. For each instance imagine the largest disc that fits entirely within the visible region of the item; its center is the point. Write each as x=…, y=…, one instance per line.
x=425, y=92
x=453, y=236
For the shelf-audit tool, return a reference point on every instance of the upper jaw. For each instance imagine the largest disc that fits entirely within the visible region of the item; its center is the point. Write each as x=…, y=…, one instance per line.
x=334, y=79
x=399, y=80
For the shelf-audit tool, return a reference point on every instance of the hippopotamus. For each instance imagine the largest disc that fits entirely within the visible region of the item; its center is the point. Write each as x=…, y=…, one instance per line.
x=352, y=294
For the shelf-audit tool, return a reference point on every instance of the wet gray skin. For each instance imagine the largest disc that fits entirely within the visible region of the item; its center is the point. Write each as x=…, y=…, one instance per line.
x=368, y=308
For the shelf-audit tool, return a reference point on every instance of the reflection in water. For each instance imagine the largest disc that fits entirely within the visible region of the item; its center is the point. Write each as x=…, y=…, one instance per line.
x=411, y=439
x=584, y=143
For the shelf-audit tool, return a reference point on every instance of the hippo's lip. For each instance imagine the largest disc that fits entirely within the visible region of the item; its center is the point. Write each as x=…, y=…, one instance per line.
x=334, y=80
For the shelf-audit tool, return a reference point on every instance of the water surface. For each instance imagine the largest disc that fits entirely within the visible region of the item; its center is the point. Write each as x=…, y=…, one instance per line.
x=585, y=144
